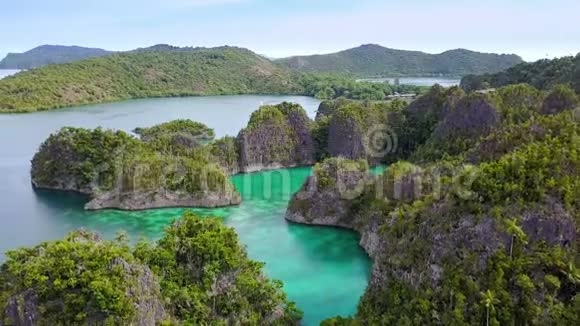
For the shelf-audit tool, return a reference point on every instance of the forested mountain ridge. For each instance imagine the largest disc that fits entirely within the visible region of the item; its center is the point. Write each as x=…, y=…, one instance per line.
x=49, y=54
x=542, y=74
x=218, y=71
x=375, y=60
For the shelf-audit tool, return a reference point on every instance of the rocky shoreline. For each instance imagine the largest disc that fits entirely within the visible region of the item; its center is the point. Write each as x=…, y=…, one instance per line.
x=136, y=201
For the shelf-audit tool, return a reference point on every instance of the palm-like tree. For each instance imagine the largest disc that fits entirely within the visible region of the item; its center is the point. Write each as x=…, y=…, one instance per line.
x=516, y=232
x=489, y=300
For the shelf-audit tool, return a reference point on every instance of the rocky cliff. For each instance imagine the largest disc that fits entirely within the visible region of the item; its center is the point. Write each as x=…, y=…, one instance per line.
x=277, y=136
x=472, y=117
x=327, y=196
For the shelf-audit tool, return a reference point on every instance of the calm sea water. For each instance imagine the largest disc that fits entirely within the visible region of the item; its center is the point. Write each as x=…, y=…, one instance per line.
x=7, y=72
x=323, y=269
x=418, y=81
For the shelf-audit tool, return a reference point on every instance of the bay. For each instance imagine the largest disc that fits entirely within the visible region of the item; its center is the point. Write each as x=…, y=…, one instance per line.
x=323, y=269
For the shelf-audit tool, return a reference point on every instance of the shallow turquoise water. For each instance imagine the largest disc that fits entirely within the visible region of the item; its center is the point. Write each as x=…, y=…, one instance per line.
x=323, y=269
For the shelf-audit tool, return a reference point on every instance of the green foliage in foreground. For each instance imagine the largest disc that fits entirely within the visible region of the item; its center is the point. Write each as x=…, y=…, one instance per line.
x=202, y=275
x=206, y=275
x=124, y=76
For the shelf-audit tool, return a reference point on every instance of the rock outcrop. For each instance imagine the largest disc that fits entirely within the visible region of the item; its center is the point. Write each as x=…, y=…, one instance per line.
x=327, y=108
x=278, y=136
x=473, y=116
x=225, y=152
x=356, y=131
x=327, y=197
x=560, y=98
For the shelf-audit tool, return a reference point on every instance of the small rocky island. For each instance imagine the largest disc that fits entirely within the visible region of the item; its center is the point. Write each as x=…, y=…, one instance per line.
x=169, y=166
x=278, y=136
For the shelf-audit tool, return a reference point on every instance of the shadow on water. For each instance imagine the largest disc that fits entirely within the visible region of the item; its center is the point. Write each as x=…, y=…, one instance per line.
x=60, y=200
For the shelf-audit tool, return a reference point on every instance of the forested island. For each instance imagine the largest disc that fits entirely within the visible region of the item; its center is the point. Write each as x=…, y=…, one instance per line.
x=170, y=165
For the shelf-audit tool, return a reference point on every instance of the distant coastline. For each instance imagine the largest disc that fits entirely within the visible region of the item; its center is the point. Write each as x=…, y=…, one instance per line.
x=445, y=81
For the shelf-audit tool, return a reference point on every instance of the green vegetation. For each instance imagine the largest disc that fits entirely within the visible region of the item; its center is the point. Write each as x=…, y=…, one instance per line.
x=143, y=74
x=416, y=123
x=198, y=273
x=206, y=274
x=493, y=242
x=328, y=171
x=327, y=86
x=542, y=74
x=178, y=137
x=89, y=157
x=374, y=60
x=197, y=130
x=47, y=55
x=166, y=72
x=225, y=151
x=559, y=99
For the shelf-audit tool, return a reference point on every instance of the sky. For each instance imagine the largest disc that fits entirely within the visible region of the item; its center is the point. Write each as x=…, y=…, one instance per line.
x=534, y=29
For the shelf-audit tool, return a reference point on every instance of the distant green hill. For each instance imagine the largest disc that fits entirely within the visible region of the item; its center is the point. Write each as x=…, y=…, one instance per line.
x=140, y=74
x=375, y=60
x=49, y=54
x=542, y=74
